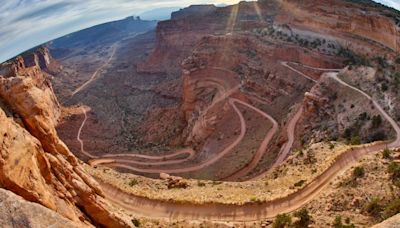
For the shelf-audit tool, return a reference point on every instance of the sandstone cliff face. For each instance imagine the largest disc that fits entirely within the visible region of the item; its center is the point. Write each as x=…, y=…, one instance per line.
x=198, y=10
x=341, y=16
x=352, y=25
x=194, y=34
x=34, y=162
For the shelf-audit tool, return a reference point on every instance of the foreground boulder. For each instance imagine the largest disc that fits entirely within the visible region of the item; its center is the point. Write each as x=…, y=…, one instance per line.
x=17, y=212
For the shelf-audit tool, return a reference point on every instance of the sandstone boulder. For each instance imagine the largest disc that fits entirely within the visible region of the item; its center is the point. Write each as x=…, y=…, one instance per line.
x=17, y=212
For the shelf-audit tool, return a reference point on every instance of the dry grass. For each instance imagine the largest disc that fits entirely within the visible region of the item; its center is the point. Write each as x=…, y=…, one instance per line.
x=277, y=183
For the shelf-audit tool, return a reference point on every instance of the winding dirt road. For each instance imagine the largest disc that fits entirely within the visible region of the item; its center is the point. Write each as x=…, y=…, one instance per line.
x=285, y=64
x=112, y=158
x=252, y=211
x=392, y=122
x=125, y=160
x=123, y=163
x=261, y=150
x=94, y=75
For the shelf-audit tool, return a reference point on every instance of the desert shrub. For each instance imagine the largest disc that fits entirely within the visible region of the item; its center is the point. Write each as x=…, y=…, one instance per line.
x=347, y=133
x=216, y=183
x=386, y=154
x=300, y=183
x=352, y=58
x=396, y=82
x=255, y=200
x=397, y=59
x=358, y=172
x=136, y=222
x=282, y=221
x=391, y=209
x=394, y=171
x=177, y=183
x=373, y=207
x=352, y=136
x=331, y=146
x=377, y=136
x=381, y=62
x=133, y=182
x=304, y=219
x=363, y=116
x=384, y=87
x=355, y=140
x=339, y=224
x=310, y=158
x=376, y=121
x=201, y=184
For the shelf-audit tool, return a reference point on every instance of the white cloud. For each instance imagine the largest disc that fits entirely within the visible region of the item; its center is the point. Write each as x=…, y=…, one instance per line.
x=27, y=23
x=392, y=3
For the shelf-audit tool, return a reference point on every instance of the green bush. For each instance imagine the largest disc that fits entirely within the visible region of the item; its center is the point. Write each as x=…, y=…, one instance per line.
x=384, y=87
x=339, y=224
x=394, y=171
x=282, y=221
x=352, y=58
x=300, y=183
x=304, y=219
x=386, y=154
x=381, y=62
x=393, y=208
x=358, y=172
x=376, y=121
x=255, y=200
x=373, y=207
x=355, y=140
x=133, y=182
x=398, y=59
x=331, y=146
x=136, y=222
x=363, y=116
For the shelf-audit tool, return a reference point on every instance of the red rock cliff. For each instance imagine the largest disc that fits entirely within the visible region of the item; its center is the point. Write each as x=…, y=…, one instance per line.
x=34, y=162
x=337, y=16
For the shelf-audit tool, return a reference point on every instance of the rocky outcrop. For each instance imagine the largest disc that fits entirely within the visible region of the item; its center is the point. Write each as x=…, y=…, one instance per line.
x=17, y=212
x=389, y=223
x=340, y=21
x=193, y=10
x=30, y=64
x=34, y=162
x=40, y=57
x=377, y=24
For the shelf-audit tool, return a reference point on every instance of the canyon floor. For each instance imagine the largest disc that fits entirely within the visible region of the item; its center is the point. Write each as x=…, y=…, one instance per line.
x=231, y=116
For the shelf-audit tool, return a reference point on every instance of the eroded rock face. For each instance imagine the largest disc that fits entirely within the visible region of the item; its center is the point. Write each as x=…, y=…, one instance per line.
x=34, y=162
x=17, y=212
x=342, y=16
x=391, y=222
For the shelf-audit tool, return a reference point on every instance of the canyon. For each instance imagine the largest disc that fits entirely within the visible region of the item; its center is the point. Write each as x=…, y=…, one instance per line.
x=220, y=116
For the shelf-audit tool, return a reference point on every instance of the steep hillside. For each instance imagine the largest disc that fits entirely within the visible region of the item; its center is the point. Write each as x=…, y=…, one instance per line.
x=238, y=114
x=171, y=89
x=35, y=163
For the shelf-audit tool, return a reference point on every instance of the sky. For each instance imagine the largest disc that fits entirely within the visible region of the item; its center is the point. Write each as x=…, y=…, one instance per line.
x=27, y=23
